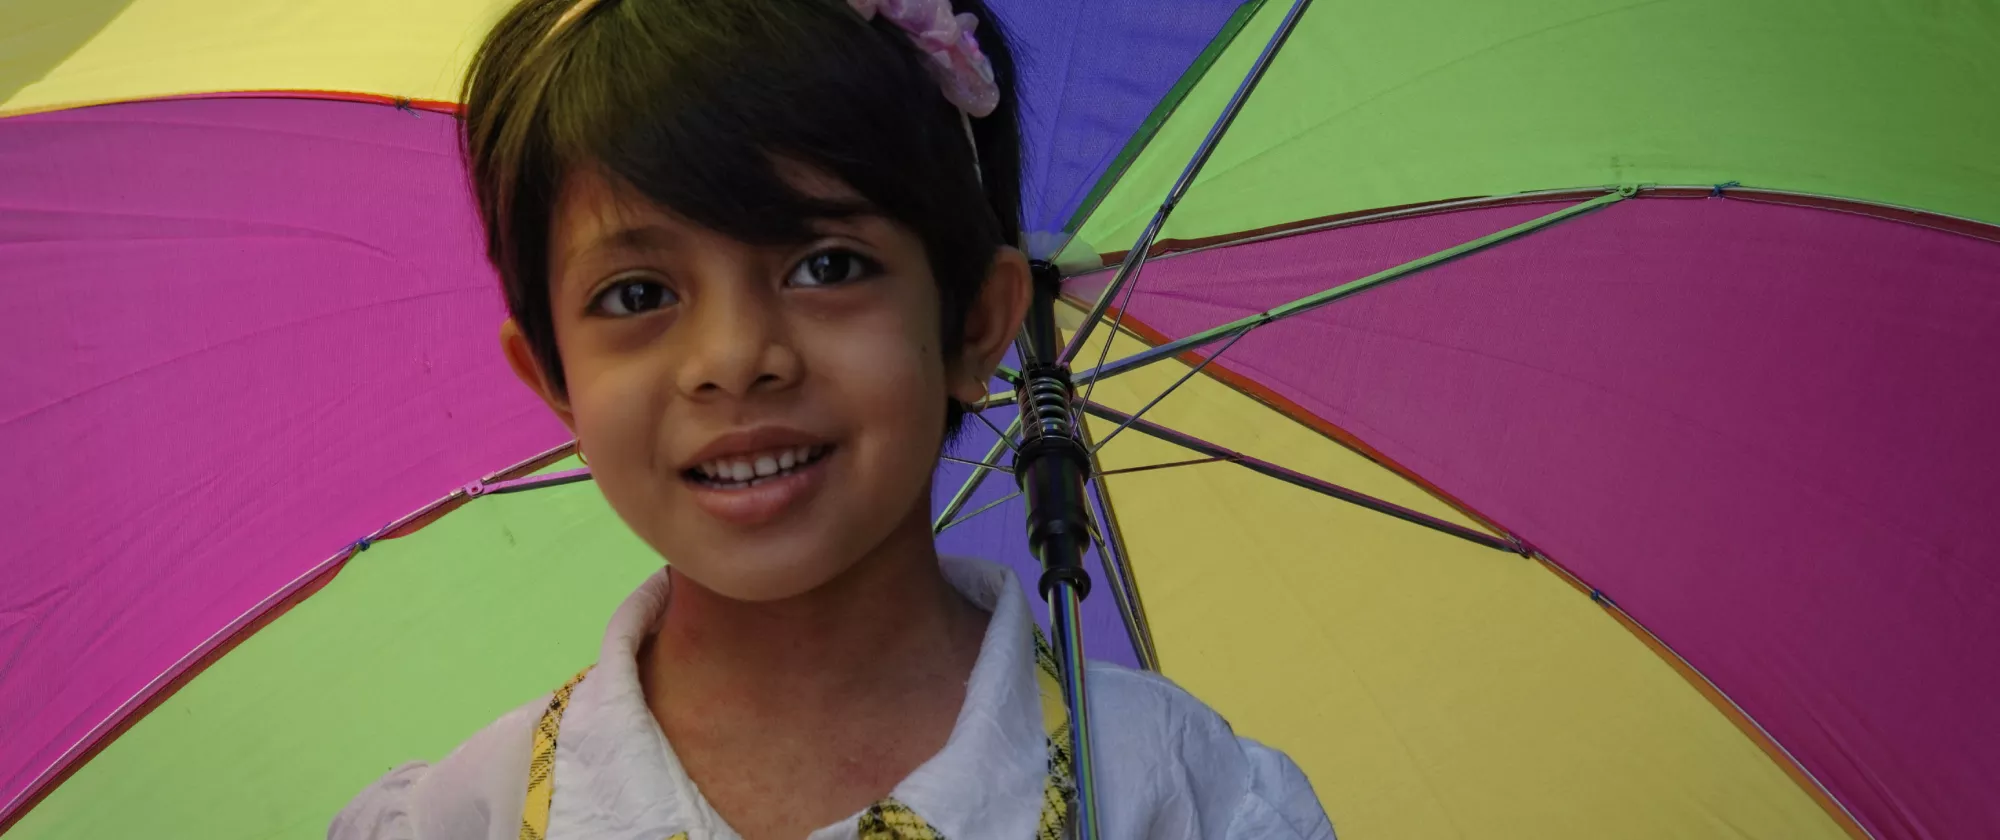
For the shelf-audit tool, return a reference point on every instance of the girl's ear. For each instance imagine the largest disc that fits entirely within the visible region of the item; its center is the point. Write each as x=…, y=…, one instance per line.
x=521, y=357
x=991, y=324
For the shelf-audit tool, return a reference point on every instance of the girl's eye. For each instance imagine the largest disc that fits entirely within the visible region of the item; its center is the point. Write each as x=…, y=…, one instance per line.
x=831, y=268
x=633, y=297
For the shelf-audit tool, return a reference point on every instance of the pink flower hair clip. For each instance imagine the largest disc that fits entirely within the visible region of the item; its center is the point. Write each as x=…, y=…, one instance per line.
x=961, y=69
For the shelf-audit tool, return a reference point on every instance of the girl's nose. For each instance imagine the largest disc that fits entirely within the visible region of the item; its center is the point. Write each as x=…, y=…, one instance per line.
x=738, y=344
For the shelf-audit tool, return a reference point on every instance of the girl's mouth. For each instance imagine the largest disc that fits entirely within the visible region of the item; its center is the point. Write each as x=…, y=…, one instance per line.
x=738, y=472
x=757, y=487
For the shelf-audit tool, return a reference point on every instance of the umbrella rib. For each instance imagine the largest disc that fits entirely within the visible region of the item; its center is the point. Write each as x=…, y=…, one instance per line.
x=1116, y=324
x=1299, y=479
x=548, y=456
x=1150, y=467
x=1113, y=557
x=995, y=399
x=1344, y=290
x=978, y=477
x=1004, y=438
x=532, y=482
x=944, y=526
x=1111, y=553
x=984, y=465
x=1136, y=257
x=1170, y=388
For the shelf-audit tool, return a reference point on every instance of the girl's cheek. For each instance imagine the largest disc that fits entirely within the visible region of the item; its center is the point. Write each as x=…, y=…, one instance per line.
x=614, y=408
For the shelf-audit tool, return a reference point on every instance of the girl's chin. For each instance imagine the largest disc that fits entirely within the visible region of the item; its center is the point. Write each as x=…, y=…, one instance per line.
x=759, y=577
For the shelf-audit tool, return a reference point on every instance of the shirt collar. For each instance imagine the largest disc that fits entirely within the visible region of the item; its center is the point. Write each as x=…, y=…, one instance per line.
x=613, y=764
x=987, y=781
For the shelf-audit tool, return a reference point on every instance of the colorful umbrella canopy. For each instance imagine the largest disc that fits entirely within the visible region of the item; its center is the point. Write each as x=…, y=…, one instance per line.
x=1597, y=449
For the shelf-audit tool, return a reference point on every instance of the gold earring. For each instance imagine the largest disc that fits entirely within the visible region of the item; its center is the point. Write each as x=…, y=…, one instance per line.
x=580, y=456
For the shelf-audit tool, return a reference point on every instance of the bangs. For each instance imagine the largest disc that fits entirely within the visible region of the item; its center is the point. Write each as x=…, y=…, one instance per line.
x=695, y=103
x=704, y=106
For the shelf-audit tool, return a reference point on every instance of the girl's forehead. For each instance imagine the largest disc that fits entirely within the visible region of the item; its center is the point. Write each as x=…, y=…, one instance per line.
x=589, y=193
x=809, y=181
x=596, y=214
x=593, y=212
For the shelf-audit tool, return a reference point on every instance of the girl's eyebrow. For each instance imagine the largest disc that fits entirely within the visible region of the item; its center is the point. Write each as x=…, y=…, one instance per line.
x=631, y=238
x=580, y=259
x=860, y=218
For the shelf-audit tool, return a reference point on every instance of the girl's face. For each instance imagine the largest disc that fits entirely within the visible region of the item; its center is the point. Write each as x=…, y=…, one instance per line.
x=763, y=417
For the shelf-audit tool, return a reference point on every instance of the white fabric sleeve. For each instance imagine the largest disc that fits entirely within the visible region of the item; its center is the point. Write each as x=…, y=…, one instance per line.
x=475, y=793
x=1171, y=768
x=382, y=811
x=1279, y=802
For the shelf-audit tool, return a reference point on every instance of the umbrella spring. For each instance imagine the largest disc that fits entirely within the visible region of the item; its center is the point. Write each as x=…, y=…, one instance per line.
x=1047, y=405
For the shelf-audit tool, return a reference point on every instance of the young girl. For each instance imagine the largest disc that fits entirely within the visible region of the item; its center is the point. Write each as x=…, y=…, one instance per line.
x=757, y=255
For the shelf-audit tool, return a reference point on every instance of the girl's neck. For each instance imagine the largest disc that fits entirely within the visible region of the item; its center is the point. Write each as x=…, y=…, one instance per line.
x=888, y=624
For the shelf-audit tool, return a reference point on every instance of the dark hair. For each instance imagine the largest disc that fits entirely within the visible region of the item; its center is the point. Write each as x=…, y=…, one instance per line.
x=695, y=103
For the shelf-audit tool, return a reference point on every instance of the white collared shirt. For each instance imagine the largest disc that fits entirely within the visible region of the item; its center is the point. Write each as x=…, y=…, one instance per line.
x=1167, y=765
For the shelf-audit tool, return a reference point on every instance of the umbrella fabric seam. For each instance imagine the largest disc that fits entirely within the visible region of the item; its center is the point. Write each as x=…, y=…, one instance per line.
x=400, y=102
x=1945, y=222
x=263, y=614
x=1163, y=111
x=1135, y=260
x=1717, y=697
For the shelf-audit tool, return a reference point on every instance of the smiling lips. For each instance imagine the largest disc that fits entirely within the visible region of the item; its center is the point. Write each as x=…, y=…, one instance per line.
x=739, y=471
x=753, y=477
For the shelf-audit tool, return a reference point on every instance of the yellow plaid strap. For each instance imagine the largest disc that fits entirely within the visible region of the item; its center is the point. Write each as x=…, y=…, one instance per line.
x=1059, y=792
x=892, y=820
x=542, y=763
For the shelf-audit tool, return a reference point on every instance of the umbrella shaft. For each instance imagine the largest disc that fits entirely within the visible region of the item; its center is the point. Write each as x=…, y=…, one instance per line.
x=1052, y=460
x=1065, y=618
x=1050, y=466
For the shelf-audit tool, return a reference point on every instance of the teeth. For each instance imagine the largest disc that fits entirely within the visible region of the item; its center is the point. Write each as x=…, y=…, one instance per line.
x=760, y=466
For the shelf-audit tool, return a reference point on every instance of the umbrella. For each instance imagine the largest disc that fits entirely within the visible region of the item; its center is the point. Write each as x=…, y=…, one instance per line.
x=1572, y=417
